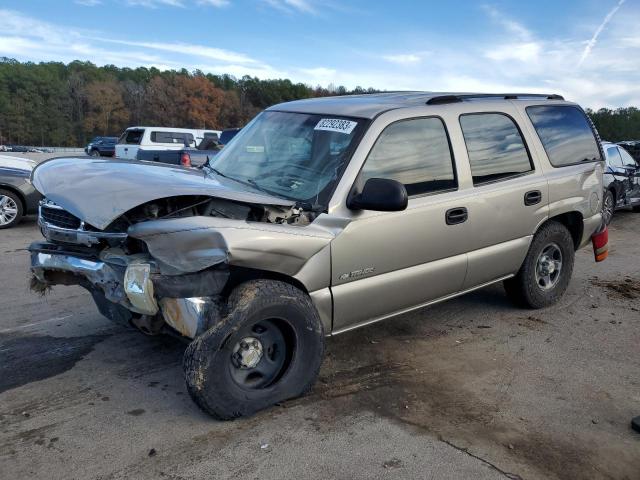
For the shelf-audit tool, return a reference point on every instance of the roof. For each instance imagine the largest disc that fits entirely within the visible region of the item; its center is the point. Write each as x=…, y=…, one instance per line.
x=373, y=104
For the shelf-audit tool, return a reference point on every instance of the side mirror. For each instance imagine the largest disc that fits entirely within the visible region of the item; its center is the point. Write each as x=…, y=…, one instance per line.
x=380, y=194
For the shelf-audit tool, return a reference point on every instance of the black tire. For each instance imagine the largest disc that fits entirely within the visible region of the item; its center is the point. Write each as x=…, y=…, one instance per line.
x=94, y=153
x=14, y=209
x=257, y=309
x=636, y=208
x=608, y=206
x=525, y=289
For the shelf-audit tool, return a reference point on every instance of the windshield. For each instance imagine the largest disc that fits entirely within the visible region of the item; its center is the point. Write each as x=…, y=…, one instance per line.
x=291, y=155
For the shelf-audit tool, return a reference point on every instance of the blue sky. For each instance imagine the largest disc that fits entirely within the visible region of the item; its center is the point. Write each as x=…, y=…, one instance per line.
x=587, y=50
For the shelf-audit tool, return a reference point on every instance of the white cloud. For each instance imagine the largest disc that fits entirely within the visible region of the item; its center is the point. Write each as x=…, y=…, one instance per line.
x=214, y=3
x=523, y=52
x=592, y=43
x=289, y=6
x=88, y=3
x=155, y=3
x=404, y=58
x=186, y=49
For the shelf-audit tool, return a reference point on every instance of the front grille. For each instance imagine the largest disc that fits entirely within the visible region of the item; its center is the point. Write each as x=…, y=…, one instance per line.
x=59, y=218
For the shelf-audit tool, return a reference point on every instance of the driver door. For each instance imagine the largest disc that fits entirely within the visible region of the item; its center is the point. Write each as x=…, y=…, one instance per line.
x=385, y=263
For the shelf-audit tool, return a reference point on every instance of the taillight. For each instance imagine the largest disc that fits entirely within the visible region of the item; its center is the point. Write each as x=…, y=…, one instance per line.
x=185, y=159
x=600, y=243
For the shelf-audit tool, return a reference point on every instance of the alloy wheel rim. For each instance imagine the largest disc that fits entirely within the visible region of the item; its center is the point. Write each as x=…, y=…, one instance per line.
x=608, y=208
x=8, y=210
x=549, y=267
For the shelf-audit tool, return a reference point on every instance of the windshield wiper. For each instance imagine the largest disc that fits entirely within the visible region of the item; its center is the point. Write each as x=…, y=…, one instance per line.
x=249, y=182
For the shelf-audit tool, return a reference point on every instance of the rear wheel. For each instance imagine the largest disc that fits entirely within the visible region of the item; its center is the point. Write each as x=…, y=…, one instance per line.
x=546, y=271
x=608, y=206
x=268, y=349
x=11, y=209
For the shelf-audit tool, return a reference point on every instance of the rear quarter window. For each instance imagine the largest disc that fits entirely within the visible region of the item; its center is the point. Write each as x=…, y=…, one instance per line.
x=171, y=137
x=565, y=133
x=495, y=147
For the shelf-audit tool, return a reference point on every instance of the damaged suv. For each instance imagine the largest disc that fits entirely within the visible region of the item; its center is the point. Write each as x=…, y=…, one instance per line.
x=322, y=216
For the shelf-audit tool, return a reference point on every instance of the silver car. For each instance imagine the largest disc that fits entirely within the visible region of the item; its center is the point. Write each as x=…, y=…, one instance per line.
x=322, y=216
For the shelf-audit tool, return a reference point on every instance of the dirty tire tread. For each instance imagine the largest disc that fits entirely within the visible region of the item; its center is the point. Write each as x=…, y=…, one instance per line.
x=522, y=289
x=18, y=201
x=204, y=356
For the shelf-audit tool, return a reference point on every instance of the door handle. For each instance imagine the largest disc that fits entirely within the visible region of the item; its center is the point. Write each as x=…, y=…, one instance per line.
x=532, y=197
x=457, y=215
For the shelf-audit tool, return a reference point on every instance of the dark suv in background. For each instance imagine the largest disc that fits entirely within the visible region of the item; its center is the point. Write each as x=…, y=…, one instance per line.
x=102, y=147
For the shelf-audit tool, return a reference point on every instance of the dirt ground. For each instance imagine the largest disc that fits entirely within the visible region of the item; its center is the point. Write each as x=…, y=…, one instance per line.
x=471, y=388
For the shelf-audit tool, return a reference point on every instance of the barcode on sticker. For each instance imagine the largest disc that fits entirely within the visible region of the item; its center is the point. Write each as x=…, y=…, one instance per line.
x=336, y=125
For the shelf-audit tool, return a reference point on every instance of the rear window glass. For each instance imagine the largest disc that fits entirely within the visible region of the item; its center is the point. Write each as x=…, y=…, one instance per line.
x=495, y=147
x=565, y=133
x=171, y=137
x=131, y=137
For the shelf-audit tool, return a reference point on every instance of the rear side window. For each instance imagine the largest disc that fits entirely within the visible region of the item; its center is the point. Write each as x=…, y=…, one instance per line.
x=415, y=153
x=565, y=133
x=495, y=147
x=613, y=155
x=171, y=137
x=131, y=137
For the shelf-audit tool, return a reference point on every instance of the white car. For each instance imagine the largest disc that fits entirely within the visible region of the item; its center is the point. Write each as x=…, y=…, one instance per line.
x=154, y=138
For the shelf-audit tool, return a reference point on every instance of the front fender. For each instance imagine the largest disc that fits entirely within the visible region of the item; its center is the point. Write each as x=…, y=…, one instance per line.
x=191, y=244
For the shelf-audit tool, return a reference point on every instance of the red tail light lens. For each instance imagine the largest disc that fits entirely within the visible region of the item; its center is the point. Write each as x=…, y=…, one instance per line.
x=600, y=243
x=185, y=159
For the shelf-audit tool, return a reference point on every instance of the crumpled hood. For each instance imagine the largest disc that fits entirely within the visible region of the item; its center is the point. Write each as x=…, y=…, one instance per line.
x=99, y=190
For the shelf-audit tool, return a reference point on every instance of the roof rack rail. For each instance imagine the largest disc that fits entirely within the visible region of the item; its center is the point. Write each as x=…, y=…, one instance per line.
x=443, y=99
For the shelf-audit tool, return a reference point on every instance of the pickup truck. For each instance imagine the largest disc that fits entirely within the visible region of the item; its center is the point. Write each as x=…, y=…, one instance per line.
x=135, y=139
x=101, y=147
x=187, y=157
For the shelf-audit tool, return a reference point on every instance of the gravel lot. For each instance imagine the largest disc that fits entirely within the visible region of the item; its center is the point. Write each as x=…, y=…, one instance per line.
x=471, y=388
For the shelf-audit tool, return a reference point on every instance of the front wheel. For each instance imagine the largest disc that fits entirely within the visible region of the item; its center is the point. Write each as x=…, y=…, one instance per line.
x=95, y=153
x=546, y=271
x=608, y=207
x=268, y=349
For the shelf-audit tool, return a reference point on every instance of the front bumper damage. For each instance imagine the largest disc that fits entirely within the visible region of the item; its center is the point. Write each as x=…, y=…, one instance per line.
x=131, y=289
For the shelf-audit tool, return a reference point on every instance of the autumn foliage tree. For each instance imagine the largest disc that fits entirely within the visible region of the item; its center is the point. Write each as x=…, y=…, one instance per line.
x=61, y=104
x=106, y=111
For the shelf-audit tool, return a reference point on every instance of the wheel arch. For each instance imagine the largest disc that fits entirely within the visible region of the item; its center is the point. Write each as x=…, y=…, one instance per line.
x=243, y=274
x=573, y=221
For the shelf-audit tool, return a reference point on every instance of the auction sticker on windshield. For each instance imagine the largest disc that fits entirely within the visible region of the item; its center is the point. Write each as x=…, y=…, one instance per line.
x=336, y=125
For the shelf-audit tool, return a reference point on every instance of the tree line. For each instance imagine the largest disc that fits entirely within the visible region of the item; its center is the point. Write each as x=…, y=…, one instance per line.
x=54, y=104
x=57, y=104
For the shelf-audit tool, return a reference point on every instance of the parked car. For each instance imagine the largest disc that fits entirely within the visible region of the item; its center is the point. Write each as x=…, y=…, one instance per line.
x=101, y=147
x=361, y=208
x=621, y=181
x=187, y=157
x=5, y=148
x=632, y=147
x=17, y=195
x=158, y=138
x=19, y=149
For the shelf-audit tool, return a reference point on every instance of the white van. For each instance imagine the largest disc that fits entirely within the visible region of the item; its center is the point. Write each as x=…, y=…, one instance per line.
x=155, y=138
